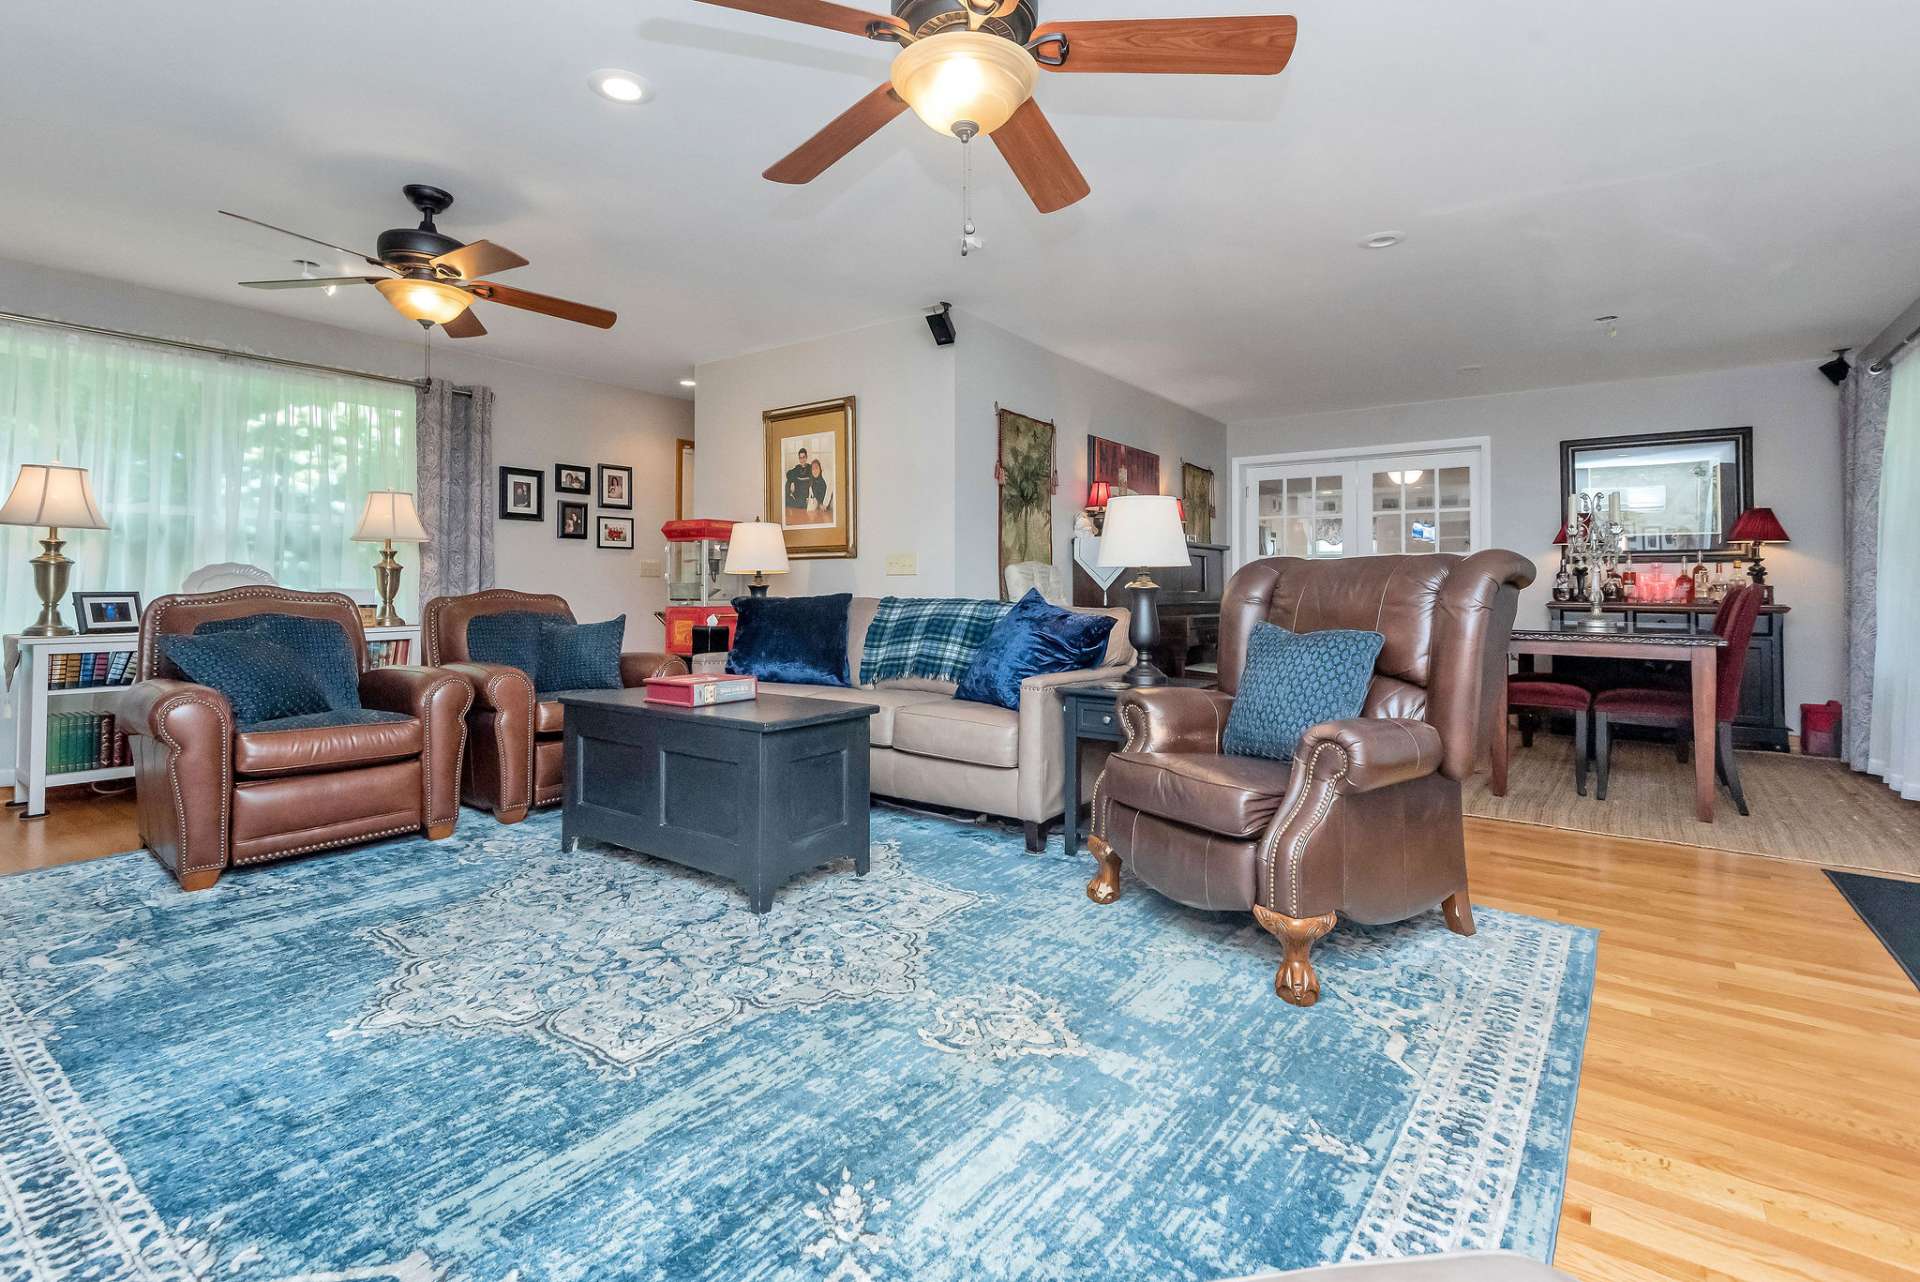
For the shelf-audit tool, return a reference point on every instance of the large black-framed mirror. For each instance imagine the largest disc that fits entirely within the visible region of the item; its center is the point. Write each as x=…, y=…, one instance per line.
x=1680, y=492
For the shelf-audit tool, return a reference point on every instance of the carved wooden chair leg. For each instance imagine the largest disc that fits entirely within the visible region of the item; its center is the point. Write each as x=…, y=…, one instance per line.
x=1295, y=981
x=1581, y=751
x=1728, y=765
x=1602, y=755
x=1105, y=886
x=1459, y=912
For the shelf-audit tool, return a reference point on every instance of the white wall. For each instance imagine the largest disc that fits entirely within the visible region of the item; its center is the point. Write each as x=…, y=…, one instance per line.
x=540, y=418
x=999, y=368
x=1796, y=471
x=902, y=387
x=927, y=437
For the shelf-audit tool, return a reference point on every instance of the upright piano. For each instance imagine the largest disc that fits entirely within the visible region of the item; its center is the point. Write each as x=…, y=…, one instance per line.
x=1189, y=606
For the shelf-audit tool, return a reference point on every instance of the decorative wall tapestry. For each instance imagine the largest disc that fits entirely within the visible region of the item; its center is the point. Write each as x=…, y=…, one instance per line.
x=1123, y=467
x=1196, y=493
x=1024, y=468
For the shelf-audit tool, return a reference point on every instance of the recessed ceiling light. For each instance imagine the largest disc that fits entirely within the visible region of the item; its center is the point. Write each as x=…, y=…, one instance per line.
x=686, y=382
x=620, y=86
x=1383, y=240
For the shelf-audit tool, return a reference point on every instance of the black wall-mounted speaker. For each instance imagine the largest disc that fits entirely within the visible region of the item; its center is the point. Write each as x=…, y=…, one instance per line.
x=941, y=323
x=1837, y=368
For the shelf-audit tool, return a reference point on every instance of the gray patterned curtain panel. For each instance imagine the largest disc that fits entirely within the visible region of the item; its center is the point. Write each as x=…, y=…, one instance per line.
x=455, y=441
x=1863, y=440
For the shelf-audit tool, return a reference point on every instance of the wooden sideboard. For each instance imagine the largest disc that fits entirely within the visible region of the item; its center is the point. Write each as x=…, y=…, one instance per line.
x=1762, y=720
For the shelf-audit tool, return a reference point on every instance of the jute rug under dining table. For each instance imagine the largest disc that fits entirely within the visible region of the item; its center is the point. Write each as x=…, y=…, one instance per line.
x=1810, y=809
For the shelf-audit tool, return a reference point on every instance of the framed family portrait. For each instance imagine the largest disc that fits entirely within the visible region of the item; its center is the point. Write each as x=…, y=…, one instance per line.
x=523, y=494
x=616, y=486
x=571, y=519
x=572, y=478
x=615, y=532
x=107, y=611
x=810, y=477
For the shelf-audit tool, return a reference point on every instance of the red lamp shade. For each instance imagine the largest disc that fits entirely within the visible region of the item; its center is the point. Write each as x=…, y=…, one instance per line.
x=1098, y=493
x=1560, y=539
x=1757, y=525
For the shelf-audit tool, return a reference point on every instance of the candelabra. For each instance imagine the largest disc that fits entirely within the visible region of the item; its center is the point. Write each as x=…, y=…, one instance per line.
x=1596, y=543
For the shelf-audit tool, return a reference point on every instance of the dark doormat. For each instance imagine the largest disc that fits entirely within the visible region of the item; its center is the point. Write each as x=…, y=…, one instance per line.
x=1891, y=909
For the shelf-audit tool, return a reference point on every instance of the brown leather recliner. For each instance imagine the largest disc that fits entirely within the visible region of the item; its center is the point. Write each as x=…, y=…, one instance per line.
x=212, y=794
x=1365, y=820
x=514, y=740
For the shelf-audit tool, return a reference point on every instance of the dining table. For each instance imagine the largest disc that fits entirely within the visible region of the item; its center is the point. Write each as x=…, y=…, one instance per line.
x=1699, y=651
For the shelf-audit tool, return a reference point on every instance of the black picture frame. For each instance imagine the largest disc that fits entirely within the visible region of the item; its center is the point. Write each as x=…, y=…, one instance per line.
x=562, y=510
x=572, y=478
x=102, y=613
x=624, y=483
x=511, y=510
x=618, y=522
x=1742, y=440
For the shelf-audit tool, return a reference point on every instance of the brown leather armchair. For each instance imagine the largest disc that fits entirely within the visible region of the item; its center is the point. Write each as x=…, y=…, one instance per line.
x=514, y=741
x=1365, y=820
x=212, y=794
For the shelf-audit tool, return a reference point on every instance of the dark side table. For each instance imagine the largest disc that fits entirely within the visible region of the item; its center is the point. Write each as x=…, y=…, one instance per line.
x=1088, y=715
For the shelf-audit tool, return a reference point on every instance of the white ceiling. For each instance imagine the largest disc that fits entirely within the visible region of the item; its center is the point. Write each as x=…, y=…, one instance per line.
x=1738, y=179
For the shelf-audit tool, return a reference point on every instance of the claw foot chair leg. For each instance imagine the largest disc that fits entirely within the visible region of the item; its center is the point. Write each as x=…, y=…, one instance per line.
x=202, y=880
x=1105, y=886
x=1459, y=912
x=1295, y=981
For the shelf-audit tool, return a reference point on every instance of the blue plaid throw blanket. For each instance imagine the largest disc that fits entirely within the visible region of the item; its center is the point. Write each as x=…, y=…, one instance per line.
x=929, y=637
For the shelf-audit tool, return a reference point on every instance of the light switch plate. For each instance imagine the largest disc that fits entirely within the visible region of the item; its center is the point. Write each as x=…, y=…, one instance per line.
x=651, y=569
x=902, y=563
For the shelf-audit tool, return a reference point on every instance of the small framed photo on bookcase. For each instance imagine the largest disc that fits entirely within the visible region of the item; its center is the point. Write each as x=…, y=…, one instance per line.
x=107, y=612
x=523, y=494
x=615, y=532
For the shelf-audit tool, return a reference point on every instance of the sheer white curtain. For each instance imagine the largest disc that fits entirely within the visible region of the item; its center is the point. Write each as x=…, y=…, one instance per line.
x=1894, y=754
x=196, y=458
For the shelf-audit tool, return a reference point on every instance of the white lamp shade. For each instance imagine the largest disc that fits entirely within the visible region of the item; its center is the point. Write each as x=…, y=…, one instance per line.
x=1143, y=530
x=53, y=495
x=756, y=547
x=390, y=514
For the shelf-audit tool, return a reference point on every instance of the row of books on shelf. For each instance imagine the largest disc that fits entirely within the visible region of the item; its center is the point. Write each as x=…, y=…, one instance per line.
x=91, y=668
x=386, y=654
x=84, y=741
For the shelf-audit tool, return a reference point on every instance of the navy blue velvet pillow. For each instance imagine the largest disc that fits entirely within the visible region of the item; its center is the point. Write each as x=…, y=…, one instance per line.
x=1032, y=639
x=797, y=639
x=321, y=645
x=264, y=681
x=1295, y=680
x=511, y=637
x=579, y=656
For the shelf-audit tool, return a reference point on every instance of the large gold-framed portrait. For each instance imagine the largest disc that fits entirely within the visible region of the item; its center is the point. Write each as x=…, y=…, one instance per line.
x=810, y=477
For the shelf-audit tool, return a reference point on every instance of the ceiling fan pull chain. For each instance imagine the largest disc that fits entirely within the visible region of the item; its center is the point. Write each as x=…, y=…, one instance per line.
x=968, y=241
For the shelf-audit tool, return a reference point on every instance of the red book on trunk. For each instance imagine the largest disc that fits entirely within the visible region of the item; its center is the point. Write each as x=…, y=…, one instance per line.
x=700, y=690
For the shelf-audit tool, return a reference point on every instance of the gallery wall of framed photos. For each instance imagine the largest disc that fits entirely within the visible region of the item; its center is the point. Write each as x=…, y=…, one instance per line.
x=578, y=488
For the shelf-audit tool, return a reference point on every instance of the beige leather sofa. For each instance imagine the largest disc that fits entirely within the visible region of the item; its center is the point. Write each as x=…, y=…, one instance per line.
x=931, y=748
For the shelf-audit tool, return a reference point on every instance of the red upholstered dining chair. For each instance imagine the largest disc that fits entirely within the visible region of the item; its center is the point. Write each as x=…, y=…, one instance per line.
x=1647, y=706
x=1530, y=695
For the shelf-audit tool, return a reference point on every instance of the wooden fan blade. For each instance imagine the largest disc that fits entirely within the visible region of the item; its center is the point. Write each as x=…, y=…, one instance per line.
x=817, y=13
x=846, y=131
x=311, y=282
x=311, y=240
x=481, y=258
x=527, y=300
x=465, y=325
x=1251, y=46
x=1037, y=158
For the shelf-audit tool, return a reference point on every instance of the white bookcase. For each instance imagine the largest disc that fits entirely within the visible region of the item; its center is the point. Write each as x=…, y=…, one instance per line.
x=34, y=702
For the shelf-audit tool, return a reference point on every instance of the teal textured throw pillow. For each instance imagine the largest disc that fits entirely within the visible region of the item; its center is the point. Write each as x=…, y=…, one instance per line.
x=1295, y=680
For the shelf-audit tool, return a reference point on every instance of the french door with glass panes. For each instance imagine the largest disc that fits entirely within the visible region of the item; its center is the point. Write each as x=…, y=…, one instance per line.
x=1364, y=505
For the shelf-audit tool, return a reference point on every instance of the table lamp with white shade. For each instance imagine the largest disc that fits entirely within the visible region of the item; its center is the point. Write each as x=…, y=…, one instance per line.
x=758, y=548
x=59, y=498
x=1143, y=532
x=390, y=517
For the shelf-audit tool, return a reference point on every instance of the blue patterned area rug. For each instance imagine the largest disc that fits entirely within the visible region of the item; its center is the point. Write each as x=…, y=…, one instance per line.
x=485, y=1060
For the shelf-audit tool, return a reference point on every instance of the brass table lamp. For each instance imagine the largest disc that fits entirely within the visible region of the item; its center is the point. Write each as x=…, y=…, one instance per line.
x=57, y=497
x=389, y=518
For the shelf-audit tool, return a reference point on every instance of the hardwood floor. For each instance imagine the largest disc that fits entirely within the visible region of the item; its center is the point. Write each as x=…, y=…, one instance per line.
x=1750, y=1097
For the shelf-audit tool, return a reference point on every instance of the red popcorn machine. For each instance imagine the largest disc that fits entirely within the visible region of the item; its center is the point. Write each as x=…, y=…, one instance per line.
x=699, y=617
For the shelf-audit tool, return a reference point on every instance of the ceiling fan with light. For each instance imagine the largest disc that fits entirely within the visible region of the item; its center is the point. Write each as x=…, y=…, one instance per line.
x=433, y=278
x=968, y=67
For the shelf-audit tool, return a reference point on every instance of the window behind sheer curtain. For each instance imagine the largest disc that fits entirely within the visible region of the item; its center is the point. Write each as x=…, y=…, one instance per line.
x=196, y=458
